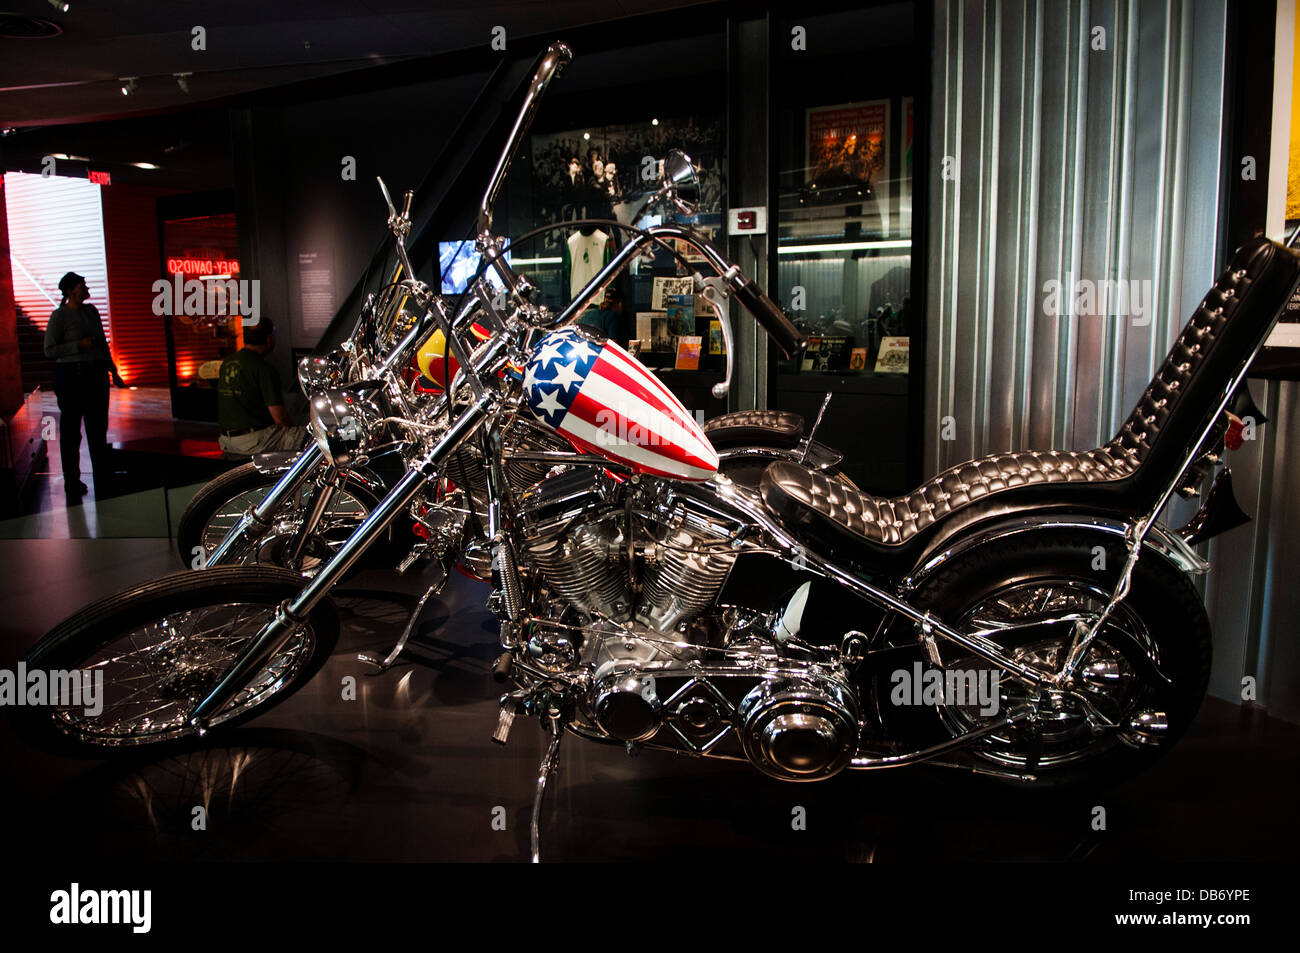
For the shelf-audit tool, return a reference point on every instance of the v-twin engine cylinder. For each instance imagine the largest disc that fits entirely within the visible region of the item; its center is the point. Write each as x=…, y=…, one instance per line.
x=660, y=564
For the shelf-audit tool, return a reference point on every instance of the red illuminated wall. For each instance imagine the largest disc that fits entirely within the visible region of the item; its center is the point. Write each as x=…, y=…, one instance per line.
x=11, y=376
x=134, y=264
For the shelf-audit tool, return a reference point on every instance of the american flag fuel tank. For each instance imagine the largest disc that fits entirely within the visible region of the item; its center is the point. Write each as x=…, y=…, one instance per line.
x=605, y=401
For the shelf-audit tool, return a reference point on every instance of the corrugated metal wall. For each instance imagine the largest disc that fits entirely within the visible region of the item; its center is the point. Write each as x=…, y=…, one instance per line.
x=1083, y=141
x=1064, y=162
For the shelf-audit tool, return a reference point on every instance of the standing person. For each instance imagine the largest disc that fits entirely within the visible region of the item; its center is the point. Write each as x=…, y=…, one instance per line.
x=609, y=319
x=250, y=401
x=74, y=340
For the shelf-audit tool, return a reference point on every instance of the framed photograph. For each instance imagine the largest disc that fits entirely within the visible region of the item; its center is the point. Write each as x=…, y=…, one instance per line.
x=680, y=309
x=848, y=144
x=663, y=287
x=660, y=339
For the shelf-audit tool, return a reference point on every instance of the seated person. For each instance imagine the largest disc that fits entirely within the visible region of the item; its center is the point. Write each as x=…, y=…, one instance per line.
x=250, y=401
x=608, y=319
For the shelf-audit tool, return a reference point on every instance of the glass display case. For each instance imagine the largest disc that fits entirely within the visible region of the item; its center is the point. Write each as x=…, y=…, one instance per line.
x=846, y=120
x=201, y=265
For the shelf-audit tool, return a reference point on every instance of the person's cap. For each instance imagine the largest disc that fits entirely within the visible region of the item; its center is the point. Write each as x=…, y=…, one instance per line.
x=70, y=281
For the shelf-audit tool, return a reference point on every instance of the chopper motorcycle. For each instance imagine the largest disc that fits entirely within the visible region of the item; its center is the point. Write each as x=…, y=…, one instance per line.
x=803, y=626
x=294, y=509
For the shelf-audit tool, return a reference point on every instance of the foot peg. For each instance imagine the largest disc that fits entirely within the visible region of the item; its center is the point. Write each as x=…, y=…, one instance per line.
x=506, y=718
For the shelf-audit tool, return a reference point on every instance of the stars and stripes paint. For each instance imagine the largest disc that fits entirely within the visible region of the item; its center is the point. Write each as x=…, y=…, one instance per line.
x=605, y=401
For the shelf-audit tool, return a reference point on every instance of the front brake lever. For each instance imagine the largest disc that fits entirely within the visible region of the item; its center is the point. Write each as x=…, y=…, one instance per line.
x=388, y=199
x=714, y=291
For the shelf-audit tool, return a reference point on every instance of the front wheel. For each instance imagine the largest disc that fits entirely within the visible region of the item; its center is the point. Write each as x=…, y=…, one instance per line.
x=221, y=503
x=159, y=649
x=1137, y=688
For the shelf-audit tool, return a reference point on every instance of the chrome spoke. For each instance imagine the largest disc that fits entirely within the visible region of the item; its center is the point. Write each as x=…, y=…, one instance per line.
x=165, y=665
x=1035, y=622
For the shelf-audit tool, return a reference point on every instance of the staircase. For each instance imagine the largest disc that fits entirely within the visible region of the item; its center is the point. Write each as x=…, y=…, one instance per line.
x=38, y=370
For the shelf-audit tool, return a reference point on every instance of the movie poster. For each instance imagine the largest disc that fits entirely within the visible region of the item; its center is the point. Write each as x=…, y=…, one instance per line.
x=1287, y=331
x=847, y=145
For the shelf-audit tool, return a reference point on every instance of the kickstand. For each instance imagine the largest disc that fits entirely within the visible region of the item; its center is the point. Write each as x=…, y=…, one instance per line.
x=1032, y=731
x=545, y=771
x=384, y=664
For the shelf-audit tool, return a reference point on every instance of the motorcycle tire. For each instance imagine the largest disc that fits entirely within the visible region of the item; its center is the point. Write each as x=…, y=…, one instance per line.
x=1162, y=617
x=177, y=670
x=220, y=503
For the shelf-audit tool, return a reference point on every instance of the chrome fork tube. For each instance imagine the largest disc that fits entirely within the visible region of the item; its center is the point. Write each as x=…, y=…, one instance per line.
x=259, y=517
x=324, y=496
x=292, y=612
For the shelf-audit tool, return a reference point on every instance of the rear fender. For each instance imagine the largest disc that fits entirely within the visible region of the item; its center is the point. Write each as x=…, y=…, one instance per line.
x=1163, y=543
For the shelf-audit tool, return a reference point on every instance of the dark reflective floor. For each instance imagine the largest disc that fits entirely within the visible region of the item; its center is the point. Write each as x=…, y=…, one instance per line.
x=158, y=464
x=407, y=770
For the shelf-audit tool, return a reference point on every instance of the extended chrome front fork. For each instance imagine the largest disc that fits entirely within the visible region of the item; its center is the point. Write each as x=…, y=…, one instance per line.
x=293, y=612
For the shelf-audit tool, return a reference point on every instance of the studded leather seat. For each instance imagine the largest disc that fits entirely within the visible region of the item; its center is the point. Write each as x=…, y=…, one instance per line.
x=1125, y=476
x=743, y=428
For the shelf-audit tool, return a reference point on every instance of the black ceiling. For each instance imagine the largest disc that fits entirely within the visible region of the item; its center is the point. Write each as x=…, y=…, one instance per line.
x=251, y=45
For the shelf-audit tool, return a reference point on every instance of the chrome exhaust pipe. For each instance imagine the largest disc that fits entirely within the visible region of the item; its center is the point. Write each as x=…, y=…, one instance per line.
x=1147, y=727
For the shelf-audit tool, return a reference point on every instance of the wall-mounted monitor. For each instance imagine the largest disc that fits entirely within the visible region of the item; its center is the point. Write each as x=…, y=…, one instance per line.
x=457, y=263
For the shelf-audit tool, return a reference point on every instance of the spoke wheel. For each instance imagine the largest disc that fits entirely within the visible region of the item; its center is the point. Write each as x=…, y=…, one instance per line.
x=1036, y=622
x=1135, y=691
x=160, y=648
x=220, y=505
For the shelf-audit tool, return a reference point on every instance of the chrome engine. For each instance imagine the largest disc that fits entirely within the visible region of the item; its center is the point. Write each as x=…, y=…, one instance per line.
x=641, y=568
x=612, y=555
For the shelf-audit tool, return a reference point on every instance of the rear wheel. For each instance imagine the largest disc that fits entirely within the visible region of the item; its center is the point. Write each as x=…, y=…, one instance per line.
x=1027, y=595
x=159, y=649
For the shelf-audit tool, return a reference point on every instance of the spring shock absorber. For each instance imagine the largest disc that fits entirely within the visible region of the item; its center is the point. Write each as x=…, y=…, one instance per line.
x=505, y=578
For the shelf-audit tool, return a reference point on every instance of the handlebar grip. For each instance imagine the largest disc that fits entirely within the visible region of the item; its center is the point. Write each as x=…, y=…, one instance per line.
x=772, y=318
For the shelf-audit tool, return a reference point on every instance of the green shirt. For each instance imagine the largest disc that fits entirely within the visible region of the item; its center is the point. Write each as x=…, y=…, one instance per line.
x=69, y=325
x=246, y=386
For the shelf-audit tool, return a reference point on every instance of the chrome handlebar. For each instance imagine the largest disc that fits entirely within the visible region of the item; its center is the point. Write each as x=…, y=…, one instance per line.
x=557, y=56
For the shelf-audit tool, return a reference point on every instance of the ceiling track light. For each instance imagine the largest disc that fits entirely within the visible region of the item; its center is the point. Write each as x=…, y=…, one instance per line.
x=59, y=5
x=128, y=84
x=183, y=81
